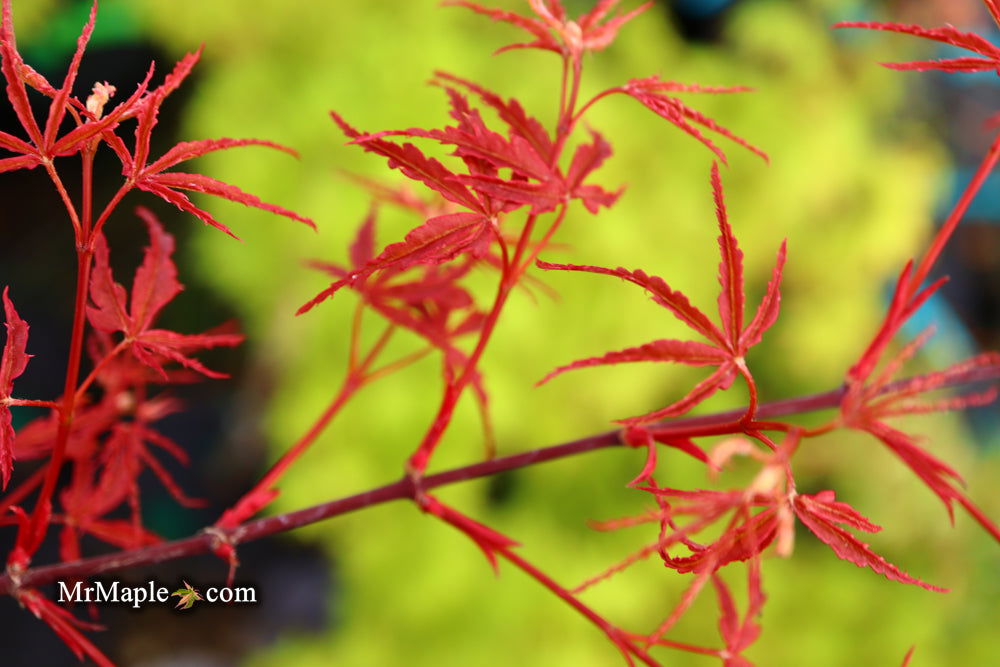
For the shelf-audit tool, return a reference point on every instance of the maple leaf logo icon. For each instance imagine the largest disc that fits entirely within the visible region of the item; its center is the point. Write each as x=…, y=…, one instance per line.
x=188, y=596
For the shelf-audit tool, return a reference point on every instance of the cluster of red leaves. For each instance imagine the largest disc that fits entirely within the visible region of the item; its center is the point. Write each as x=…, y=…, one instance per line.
x=91, y=126
x=554, y=31
x=418, y=284
x=868, y=402
x=112, y=440
x=108, y=435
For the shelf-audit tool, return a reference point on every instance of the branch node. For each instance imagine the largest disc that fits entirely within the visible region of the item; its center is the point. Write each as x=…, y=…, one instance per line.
x=15, y=573
x=223, y=545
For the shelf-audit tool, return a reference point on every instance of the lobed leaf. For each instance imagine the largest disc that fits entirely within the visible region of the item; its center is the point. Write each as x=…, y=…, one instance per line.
x=542, y=197
x=188, y=150
x=512, y=113
x=820, y=514
x=646, y=92
x=414, y=165
x=596, y=36
x=538, y=29
x=14, y=361
x=173, y=180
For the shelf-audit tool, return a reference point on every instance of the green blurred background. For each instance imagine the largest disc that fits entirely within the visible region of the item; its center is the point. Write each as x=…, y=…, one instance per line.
x=853, y=182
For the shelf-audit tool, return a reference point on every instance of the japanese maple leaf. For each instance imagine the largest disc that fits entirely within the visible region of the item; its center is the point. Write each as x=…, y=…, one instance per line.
x=518, y=122
x=440, y=238
x=739, y=634
x=154, y=286
x=188, y=596
x=534, y=180
x=987, y=56
x=821, y=514
x=867, y=404
x=168, y=185
x=43, y=141
x=552, y=30
x=651, y=93
x=727, y=344
x=64, y=624
x=13, y=364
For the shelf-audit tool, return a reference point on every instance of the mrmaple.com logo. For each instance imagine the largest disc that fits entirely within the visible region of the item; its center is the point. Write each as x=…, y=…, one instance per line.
x=116, y=592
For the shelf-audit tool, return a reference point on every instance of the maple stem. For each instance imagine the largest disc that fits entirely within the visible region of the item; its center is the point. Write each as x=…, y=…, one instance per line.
x=87, y=381
x=352, y=361
x=67, y=202
x=87, y=205
x=618, y=638
x=398, y=364
x=43, y=506
x=957, y=213
x=247, y=505
x=32, y=403
x=404, y=489
x=541, y=245
x=567, y=119
x=417, y=463
x=355, y=379
x=562, y=88
x=111, y=206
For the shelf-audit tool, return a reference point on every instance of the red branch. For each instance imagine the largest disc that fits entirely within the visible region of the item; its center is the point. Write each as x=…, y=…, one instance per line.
x=211, y=539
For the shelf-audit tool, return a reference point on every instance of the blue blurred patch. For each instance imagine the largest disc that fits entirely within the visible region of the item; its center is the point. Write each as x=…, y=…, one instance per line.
x=701, y=8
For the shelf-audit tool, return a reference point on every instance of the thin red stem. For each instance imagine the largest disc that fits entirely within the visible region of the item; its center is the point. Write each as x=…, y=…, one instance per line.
x=67, y=202
x=43, y=507
x=87, y=381
x=87, y=205
x=619, y=638
x=250, y=503
x=33, y=403
x=417, y=463
x=111, y=206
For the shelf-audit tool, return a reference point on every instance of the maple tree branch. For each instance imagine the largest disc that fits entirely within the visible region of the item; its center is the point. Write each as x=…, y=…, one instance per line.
x=405, y=489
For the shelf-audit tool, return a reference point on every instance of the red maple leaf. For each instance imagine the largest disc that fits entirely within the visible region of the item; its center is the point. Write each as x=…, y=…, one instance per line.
x=552, y=30
x=821, y=514
x=739, y=634
x=988, y=54
x=155, y=285
x=650, y=92
x=726, y=346
x=151, y=177
x=64, y=624
x=866, y=406
x=13, y=364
